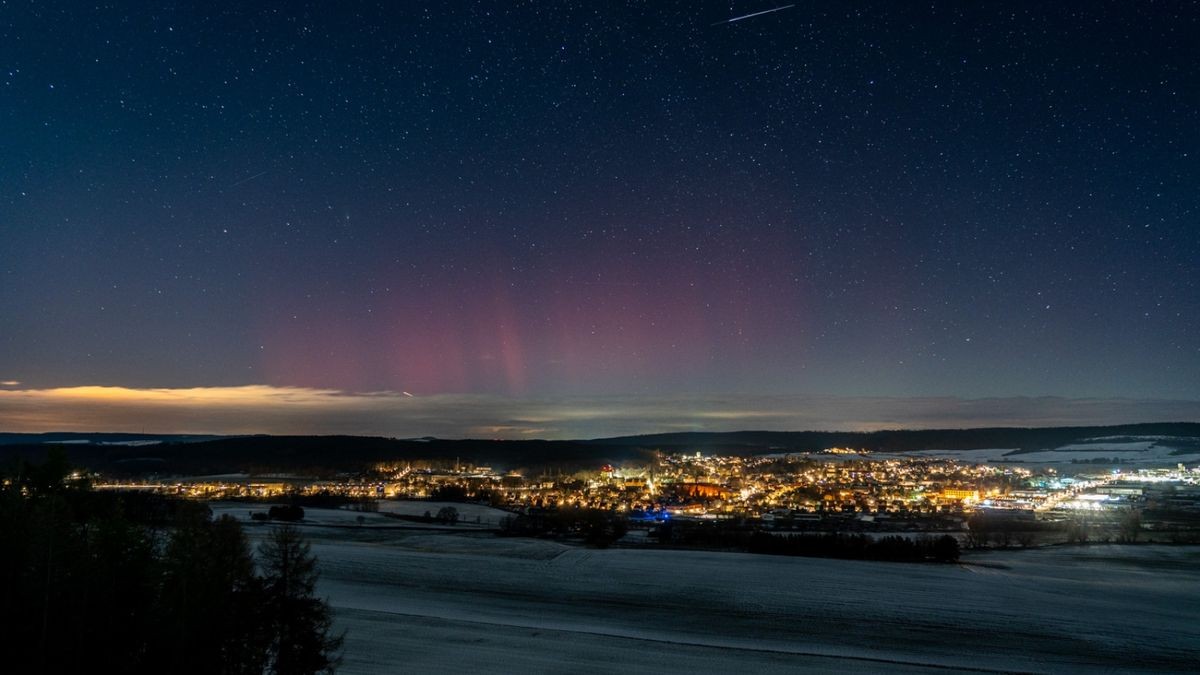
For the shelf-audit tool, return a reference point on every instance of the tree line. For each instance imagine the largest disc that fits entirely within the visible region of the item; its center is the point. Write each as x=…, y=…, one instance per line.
x=738, y=537
x=893, y=548
x=596, y=527
x=139, y=583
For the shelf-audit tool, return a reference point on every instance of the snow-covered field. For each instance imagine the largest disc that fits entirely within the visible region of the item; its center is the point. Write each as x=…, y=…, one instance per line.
x=470, y=516
x=980, y=455
x=344, y=517
x=439, y=602
x=467, y=513
x=1148, y=450
x=1144, y=452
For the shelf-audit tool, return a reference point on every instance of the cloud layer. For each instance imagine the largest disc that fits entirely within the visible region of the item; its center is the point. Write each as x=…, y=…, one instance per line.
x=294, y=410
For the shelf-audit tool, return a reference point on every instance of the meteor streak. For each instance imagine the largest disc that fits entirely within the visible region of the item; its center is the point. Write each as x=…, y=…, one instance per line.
x=247, y=180
x=749, y=16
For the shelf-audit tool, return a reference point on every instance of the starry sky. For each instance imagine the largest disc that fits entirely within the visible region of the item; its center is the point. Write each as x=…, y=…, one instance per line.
x=541, y=204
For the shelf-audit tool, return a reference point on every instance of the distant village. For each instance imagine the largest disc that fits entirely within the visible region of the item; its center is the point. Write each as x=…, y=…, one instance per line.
x=839, y=489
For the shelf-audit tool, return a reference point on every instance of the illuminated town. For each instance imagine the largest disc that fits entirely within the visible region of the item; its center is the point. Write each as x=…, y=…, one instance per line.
x=835, y=489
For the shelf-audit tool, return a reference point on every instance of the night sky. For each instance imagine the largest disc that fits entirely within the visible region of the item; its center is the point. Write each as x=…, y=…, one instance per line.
x=532, y=202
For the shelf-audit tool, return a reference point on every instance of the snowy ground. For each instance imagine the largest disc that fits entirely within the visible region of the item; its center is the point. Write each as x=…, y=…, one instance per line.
x=470, y=516
x=450, y=602
x=1143, y=452
x=467, y=513
x=1147, y=450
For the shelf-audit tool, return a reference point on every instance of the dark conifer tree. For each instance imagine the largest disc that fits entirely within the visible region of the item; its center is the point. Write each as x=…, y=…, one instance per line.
x=211, y=600
x=302, y=641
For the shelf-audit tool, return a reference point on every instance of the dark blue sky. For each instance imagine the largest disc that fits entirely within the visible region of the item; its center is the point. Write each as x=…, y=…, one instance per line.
x=556, y=199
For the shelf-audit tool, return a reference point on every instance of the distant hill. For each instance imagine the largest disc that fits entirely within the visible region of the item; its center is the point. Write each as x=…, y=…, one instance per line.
x=101, y=438
x=1024, y=438
x=319, y=455
x=325, y=455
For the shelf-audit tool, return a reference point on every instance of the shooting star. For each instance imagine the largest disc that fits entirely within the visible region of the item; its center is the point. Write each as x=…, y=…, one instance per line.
x=247, y=180
x=750, y=16
x=407, y=394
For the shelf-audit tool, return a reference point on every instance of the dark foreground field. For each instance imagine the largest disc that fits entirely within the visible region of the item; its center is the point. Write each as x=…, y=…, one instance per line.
x=455, y=602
